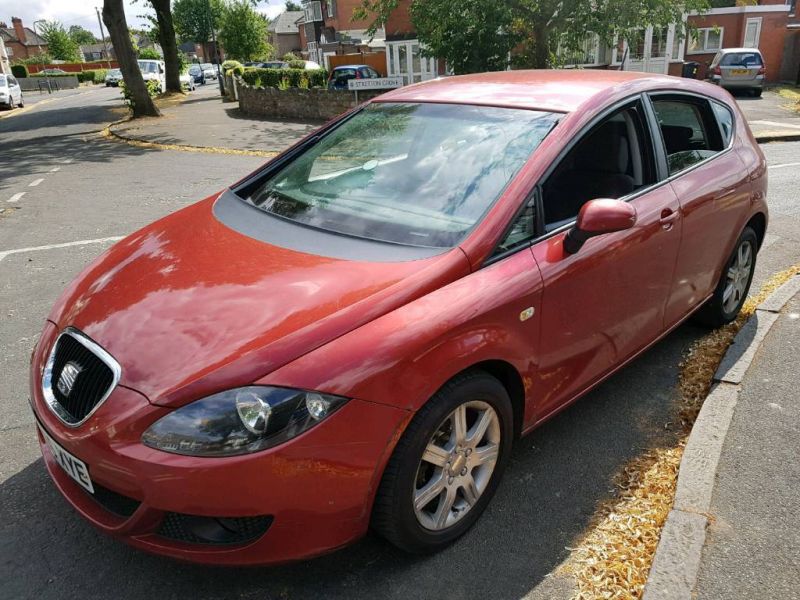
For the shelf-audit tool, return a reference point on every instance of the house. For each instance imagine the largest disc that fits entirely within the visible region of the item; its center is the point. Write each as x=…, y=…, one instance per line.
x=283, y=33
x=98, y=51
x=329, y=28
x=21, y=42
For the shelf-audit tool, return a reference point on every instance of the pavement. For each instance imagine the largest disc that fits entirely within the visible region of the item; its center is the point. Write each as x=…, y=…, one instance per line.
x=771, y=117
x=66, y=193
x=732, y=530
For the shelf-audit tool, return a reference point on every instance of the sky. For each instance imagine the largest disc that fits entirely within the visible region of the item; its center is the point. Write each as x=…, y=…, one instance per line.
x=81, y=12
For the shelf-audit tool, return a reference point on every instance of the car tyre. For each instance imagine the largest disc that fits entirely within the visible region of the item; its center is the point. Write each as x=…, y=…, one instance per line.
x=757, y=93
x=734, y=283
x=21, y=101
x=468, y=482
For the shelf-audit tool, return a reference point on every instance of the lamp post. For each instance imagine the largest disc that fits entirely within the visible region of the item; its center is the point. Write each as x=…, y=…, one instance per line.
x=38, y=40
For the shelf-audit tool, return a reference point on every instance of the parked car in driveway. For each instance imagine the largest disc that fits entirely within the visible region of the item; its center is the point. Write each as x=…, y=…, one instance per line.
x=355, y=334
x=10, y=92
x=113, y=77
x=339, y=76
x=738, y=69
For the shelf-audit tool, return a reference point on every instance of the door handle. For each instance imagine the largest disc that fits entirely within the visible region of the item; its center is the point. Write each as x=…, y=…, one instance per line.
x=668, y=218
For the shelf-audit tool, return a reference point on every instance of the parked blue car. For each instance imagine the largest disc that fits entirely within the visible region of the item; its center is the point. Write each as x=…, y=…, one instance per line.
x=339, y=76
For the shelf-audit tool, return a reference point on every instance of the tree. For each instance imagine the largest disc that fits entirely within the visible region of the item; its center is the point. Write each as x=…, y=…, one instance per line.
x=166, y=36
x=293, y=6
x=114, y=18
x=243, y=32
x=59, y=44
x=538, y=30
x=149, y=53
x=81, y=36
x=194, y=19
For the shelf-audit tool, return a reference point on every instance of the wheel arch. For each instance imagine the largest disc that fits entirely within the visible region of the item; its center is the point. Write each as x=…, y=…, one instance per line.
x=758, y=223
x=510, y=378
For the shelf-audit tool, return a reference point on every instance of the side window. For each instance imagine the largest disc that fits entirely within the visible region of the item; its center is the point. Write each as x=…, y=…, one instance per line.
x=614, y=159
x=688, y=129
x=725, y=119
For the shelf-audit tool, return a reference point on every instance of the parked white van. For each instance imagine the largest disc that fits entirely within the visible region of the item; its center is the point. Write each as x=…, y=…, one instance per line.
x=154, y=69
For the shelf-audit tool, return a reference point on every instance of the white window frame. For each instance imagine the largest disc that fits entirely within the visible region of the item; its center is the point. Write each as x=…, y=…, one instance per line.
x=428, y=66
x=331, y=8
x=312, y=11
x=757, y=22
x=702, y=34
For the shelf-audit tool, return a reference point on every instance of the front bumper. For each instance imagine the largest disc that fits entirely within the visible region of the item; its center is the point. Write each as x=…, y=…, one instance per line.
x=316, y=490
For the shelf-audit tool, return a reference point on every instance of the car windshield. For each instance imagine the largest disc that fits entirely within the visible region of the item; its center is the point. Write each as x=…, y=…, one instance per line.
x=746, y=59
x=416, y=174
x=2, y=80
x=148, y=67
x=207, y=65
x=115, y=72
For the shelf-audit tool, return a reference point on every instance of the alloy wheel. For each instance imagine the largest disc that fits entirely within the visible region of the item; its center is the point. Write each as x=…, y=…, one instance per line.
x=738, y=277
x=457, y=465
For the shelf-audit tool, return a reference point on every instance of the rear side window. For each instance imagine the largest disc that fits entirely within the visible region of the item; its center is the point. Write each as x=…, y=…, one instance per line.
x=725, y=120
x=743, y=59
x=689, y=131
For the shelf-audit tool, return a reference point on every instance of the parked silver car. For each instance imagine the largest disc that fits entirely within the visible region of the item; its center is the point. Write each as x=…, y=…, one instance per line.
x=209, y=70
x=10, y=92
x=113, y=77
x=738, y=68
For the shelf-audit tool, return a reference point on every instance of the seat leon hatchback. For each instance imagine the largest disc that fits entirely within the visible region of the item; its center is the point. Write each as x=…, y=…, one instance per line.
x=354, y=335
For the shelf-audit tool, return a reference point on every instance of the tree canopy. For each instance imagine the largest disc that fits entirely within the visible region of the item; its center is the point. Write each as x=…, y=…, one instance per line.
x=481, y=33
x=193, y=21
x=59, y=44
x=293, y=6
x=243, y=32
x=81, y=36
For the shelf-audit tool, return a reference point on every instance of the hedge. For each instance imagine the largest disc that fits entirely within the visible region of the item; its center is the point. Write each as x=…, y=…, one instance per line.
x=297, y=78
x=19, y=71
x=92, y=75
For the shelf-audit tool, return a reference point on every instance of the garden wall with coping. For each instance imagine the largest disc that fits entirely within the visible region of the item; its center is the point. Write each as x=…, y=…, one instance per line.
x=31, y=84
x=297, y=103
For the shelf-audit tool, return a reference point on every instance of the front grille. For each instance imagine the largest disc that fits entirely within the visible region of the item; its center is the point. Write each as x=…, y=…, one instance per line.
x=120, y=505
x=91, y=375
x=213, y=530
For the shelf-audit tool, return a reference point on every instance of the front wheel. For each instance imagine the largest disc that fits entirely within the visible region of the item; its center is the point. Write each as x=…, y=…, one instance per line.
x=734, y=283
x=447, y=466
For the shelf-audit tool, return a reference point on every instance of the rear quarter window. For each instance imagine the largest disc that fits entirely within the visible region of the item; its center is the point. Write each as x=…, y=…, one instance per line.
x=725, y=119
x=689, y=130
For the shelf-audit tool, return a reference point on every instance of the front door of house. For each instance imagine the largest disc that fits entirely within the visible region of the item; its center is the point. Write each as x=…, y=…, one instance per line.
x=404, y=59
x=648, y=50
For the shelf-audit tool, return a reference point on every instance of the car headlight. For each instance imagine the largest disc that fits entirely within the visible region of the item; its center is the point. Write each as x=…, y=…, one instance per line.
x=240, y=421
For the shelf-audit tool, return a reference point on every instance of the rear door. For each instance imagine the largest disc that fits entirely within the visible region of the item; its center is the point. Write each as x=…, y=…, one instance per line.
x=711, y=184
x=603, y=304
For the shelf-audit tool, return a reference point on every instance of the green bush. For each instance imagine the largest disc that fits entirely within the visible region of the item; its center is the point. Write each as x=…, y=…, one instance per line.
x=19, y=71
x=91, y=75
x=289, y=57
x=232, y=67
x=152, y=89
x=149, y=54
x=285, y=78
x=297, y=64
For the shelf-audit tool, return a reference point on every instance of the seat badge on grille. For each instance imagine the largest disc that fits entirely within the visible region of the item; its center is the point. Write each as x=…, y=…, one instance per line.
x=66, y=381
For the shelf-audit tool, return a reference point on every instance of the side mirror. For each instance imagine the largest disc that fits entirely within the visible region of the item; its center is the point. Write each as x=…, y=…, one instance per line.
x=598, y=217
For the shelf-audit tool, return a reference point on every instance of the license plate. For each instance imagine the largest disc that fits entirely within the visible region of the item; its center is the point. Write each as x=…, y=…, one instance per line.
x=74, y=467
x=740, y=71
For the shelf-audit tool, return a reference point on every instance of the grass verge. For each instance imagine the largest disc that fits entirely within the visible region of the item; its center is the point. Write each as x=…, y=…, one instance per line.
x=792, y=94
x=613, y=559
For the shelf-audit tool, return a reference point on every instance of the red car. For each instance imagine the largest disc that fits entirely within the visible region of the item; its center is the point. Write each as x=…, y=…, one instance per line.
x=354, y=335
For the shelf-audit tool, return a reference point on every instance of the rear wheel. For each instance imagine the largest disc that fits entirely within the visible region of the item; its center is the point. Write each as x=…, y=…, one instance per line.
x=757, y=92
x=447, y=465
x=734, y=283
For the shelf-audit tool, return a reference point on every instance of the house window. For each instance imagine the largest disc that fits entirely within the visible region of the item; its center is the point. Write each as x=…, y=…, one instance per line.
x=9, y=51
x=404, y=59
x=313, y=11
x=792, y=7
x=705, y=39
x=331, y=8
x=752, y=32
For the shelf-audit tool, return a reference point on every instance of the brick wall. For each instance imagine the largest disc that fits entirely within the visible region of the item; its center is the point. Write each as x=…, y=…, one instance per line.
x=312, y=105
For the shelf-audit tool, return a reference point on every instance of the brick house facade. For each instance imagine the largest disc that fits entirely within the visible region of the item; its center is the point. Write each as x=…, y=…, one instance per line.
x=21, y=42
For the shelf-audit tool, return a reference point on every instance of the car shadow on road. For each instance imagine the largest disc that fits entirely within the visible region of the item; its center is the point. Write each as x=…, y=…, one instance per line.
x=555, y=480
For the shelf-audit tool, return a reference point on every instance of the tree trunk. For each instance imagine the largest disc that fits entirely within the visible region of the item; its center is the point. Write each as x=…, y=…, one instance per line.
x=114, y=18
x=541, y=51
x=166, y=36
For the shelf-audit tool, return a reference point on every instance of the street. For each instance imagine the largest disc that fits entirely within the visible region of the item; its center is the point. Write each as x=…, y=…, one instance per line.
x=66, y=194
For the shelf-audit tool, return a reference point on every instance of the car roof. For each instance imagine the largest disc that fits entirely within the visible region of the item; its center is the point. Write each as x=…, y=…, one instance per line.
x=559, y=90
x=732, y=50
x=349, y=67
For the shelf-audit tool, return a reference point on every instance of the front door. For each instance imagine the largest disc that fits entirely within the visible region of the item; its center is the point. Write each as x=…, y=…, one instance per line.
x=604, y=303
x=648, y=50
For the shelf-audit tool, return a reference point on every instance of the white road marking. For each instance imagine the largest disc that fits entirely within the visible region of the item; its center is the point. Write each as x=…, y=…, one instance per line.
x=4, y=253
x=35, y=182
x=16, y=197
x=55, y=169
x=776, y=124
x=795, y=164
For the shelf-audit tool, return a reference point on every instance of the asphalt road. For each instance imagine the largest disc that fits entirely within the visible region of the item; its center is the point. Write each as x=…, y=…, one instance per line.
x=92, y=189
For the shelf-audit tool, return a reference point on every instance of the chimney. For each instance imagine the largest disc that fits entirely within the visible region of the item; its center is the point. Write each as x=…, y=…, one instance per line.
x=19, y=29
